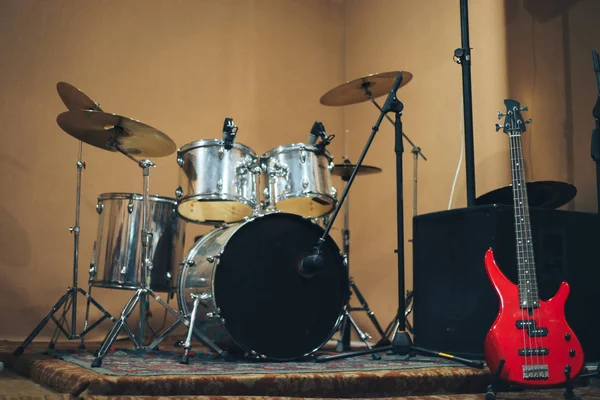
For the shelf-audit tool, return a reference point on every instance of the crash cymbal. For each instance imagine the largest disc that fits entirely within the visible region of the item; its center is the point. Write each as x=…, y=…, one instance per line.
x=75, y=99
x=98, y=128
x=544, y=194
x=345, y=170
x=358, y=90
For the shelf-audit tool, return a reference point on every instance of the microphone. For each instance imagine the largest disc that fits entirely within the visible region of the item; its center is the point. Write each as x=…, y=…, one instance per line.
x=317, y=131
x=387, y=106
x=310, y=265
x=229, y=131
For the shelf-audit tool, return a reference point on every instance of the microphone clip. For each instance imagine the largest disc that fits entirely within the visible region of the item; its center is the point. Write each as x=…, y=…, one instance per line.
x=229, y=132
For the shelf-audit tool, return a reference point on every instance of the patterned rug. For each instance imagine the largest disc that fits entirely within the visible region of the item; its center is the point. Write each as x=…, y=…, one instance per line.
x=129, y=362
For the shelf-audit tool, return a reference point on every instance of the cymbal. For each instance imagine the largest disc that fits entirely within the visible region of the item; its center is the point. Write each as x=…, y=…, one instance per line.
x=356, y=91
x=345, y=170
x=544, y=194
x=98, y=128
x=75, y=99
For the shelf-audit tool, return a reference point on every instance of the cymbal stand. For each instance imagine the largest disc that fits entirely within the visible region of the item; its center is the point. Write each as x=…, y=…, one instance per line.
x=401, y=340
x=393, y=326
x=69, y=300
x=347, y=320
x=143, y=294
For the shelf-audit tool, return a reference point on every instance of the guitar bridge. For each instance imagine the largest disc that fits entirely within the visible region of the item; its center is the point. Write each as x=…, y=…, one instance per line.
x=535, y=372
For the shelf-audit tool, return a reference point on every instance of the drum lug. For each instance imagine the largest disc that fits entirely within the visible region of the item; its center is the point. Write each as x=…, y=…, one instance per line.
x=212, y=259
x=331, y=165
x=266, y=193
x=130, y=206
x=189, y=263
x=221, y=152
x=304, y=183
x=179, y=192
x=219, y=185
x=123, y=269
x=179, y=158
x=333, y=192
x=303, y=156
x=169, y=276
x=99, y=208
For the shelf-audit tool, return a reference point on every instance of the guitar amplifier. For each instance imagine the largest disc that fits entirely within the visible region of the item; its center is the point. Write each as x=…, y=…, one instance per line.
x=455, y=304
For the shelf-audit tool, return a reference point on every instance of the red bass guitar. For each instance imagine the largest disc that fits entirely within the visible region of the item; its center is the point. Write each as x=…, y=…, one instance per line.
x=530, y=340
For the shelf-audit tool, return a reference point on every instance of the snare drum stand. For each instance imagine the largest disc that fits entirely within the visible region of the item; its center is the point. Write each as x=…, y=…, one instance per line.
x=343, y=343
x=69, y=300
x=143, y=293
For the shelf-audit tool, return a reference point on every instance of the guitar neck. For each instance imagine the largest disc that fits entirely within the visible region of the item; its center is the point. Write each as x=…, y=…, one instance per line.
x=528, y=289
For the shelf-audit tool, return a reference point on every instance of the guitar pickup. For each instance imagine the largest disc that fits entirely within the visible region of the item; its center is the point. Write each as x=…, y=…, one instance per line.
x=540, y=351
x=532, y=329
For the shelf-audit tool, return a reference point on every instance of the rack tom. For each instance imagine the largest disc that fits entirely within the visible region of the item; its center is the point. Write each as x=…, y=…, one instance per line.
x=216, y=185
x=298, y=180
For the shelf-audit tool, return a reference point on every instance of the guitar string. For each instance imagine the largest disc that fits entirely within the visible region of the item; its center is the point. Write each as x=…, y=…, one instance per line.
x=537, y=314
x=518, y=242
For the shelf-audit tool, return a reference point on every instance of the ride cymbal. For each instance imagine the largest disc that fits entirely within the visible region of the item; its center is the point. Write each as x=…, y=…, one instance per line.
x=99, y=129
x=362, y=89
x=75, y=99
x=345, y=170
x=544, y=194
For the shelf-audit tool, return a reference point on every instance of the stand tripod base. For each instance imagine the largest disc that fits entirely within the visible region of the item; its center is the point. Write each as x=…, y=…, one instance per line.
x=66, y=302
x=140, y=297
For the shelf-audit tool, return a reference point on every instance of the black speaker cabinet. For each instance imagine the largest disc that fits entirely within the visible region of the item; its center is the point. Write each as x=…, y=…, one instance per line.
x=454, y=302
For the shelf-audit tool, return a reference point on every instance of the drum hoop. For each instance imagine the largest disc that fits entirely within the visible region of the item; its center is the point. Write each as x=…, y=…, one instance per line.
x=294, y=147
x=135, y=196
x=215, y=143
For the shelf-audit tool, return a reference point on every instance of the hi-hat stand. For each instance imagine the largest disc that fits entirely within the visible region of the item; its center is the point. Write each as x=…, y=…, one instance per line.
x=69, y=300
x=343, y=343
x=144, y=293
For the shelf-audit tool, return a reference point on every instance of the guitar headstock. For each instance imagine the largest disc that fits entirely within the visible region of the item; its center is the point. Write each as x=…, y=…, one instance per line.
x=514, y=124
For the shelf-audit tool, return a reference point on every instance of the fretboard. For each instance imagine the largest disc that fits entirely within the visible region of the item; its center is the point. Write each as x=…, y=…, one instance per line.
x=528, y=290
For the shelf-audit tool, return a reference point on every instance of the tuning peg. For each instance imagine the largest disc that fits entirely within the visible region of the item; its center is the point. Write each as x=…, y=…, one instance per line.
x=498, y=127
x=524, y=108
x=529, y=121
x=500, y=115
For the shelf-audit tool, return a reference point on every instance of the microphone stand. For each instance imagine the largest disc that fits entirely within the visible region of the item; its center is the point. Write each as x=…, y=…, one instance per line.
x=595, y=148
x=402, y=342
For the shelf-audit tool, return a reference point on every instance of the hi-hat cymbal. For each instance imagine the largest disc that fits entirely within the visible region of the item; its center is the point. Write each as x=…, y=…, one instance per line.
x=98, y=128
x=75, y=99
x=361, y=89
x=543, y=194
x=345, y=170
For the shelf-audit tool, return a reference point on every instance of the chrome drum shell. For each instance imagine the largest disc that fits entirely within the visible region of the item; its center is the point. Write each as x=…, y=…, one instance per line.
x=117, y=261
x=298, y=180
x=216, y=185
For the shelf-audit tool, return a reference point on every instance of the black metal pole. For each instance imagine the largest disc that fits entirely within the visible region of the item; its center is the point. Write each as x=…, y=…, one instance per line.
x=595, y=148
x=463, y=57
x=399, y=149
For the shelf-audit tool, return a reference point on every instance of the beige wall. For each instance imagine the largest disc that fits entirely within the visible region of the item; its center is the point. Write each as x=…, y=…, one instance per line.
x=183, y=66
x=179, y=66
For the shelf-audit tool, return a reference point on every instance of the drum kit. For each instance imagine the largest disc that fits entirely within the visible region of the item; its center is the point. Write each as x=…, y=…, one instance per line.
x=246, y=286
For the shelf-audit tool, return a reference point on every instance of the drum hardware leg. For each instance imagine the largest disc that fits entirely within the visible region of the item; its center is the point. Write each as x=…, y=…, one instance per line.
x=185, y=359
x=344, y=340
x=74, y=290
x=364, y=337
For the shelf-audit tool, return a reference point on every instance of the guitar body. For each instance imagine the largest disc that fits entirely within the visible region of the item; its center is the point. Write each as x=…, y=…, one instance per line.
x=546, y=330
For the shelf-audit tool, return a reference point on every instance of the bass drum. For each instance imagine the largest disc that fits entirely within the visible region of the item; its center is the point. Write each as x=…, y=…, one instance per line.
x=254, y=297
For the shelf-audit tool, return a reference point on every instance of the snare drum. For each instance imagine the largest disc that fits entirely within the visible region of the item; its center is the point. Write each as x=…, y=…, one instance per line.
x=117, y=261
x=253, y=296
x=216, y=185
x=298, y=180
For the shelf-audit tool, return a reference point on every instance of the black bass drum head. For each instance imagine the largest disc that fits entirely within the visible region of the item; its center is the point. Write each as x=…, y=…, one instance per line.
x=268, y=305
